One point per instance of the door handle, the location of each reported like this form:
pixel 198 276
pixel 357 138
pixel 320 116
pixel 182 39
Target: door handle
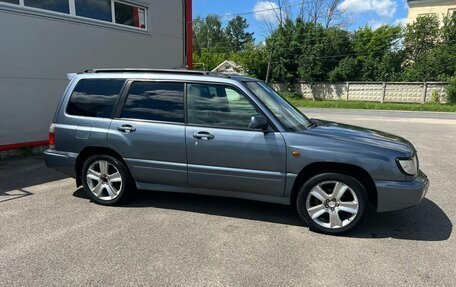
pixel 126 129
pixel 203 136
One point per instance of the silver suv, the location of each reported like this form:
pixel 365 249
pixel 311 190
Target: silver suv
pixel 233 136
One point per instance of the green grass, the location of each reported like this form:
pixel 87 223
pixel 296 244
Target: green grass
pixel 432 107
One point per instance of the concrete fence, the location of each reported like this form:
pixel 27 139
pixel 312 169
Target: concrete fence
pixel 397 92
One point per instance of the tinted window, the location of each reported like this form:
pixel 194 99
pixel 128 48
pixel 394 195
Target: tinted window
pixel 220 106
pixel 130 15
pixel 155 101
pixel 10 1
pixel 95 9
pixel 53 5
pixel 94 98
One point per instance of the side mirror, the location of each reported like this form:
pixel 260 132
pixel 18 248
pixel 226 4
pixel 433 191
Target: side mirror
pixel 258 122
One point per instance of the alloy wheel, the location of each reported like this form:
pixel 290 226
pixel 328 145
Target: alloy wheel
pixel 104 180
pixel 332 204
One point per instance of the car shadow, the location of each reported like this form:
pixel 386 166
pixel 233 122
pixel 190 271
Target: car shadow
pixel 425 222
pixel 211 205
pixel 17 174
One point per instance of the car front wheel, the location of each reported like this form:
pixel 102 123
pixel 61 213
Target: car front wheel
pixel 332 203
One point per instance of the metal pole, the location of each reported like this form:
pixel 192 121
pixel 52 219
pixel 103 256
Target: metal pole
pixel 268 71
pixel 424 93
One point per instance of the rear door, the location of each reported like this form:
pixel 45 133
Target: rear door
pixel 148 130
pixel 223 152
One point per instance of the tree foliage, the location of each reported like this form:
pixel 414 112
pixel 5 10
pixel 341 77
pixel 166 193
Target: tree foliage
pixel 237 35
pixel 314 51
pixel 430 49
pixel 209 34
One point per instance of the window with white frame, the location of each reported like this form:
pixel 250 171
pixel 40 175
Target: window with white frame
pixel 116 12
pixel 130 15
pixel 10 1
pixel 94 9
pixel 426 14
pixel 62 6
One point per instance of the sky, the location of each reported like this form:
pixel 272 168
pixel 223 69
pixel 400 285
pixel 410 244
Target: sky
pixel 373 13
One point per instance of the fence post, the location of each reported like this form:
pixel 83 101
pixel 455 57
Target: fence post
pixel 423 100
pixel 383 92
pixel 348 89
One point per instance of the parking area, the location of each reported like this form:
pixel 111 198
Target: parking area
pixel 52 235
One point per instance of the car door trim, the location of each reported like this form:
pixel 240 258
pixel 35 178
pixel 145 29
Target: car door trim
pixel 207 169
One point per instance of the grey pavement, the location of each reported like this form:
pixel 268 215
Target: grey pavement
pixel 52 235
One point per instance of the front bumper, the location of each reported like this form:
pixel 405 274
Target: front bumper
pixel 63 162
pixel 395 195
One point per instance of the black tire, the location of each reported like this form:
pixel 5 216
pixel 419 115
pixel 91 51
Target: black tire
pixel 125 189
pixel 325 180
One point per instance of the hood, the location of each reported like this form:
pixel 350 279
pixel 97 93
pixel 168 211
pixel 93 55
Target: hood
pixel 361 135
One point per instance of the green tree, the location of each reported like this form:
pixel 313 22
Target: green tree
pixel 307 51
pixel 207 60
pixel 254 60
pixel 421 36
pixel 208 34
pixel 448 31
pixel 285 48
pixel 348 69
pixel 430 49
pixel 236 34
pixel 375 50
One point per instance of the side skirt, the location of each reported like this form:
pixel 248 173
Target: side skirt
pixel 212 192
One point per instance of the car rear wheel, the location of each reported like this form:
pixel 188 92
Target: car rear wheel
pixel 106 179
pixel 332 203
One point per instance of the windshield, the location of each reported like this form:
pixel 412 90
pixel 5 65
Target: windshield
pixel 287 114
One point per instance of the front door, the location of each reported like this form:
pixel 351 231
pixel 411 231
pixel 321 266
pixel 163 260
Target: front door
pixel 223 153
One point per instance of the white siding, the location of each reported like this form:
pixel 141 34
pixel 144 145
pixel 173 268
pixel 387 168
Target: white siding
pixel 37 49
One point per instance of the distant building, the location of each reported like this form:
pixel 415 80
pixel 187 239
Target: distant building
pixel 229 67
pixel 441 8
pixel 42 41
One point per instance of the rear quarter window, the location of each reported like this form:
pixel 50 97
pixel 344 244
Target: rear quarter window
pixel 94 97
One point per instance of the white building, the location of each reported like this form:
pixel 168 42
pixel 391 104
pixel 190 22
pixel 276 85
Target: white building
pixel 229 67
pixel 439 8
pixel 42 41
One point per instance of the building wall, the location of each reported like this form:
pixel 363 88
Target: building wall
pixel 38 48
pixel 424 7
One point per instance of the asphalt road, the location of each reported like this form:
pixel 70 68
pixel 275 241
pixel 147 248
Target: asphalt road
pixel 52 235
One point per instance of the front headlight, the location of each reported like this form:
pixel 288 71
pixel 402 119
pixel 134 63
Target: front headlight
pixel 409 166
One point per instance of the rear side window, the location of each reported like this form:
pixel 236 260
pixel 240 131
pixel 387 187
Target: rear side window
pixel 94 97
pixel 155 101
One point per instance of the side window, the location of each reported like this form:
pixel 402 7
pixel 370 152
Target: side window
pixel 95 9
pixel 219 106
pixel 61 6
pixel 11 1
pixel 155 101
pixel 130 15
pixel 94 97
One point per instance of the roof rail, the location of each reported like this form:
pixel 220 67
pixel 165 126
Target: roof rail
pixel 160 71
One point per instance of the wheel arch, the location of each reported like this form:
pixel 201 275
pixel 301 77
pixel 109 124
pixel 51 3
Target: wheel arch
pixel 90 151
pixel 348 169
